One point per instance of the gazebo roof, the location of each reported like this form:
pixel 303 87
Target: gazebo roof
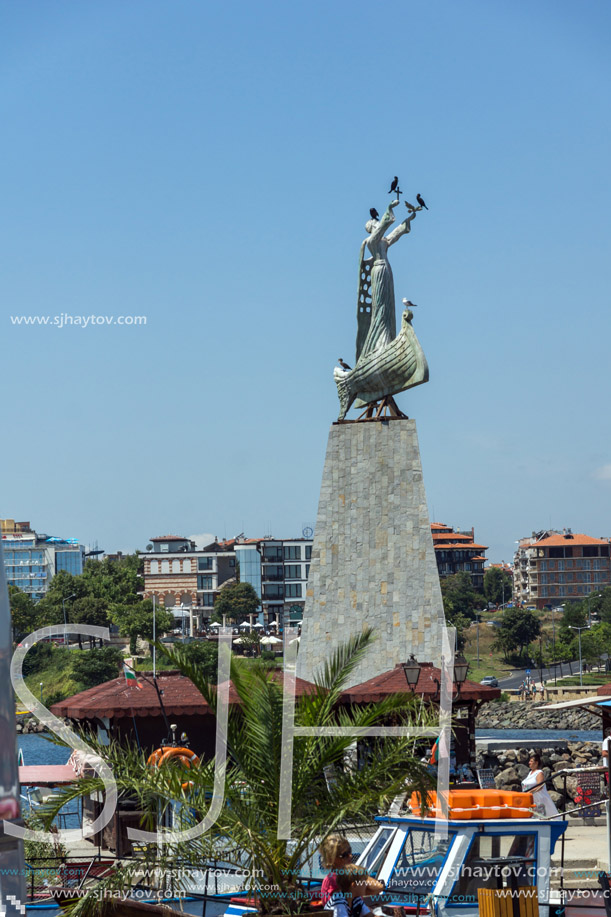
pixel 121 698
pixel 393 682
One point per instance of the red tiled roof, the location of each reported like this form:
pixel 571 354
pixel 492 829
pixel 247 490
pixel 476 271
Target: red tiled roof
pixel 393 682
pixel 439 525
pixel 454 535
pixel 478 558
pixel 461 544
pixel 554 541
pixel 121 698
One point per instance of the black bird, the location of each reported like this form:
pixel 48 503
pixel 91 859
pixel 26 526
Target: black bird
pixel 420 200
pixel 342 364
pixel 394 186
pixel 374 213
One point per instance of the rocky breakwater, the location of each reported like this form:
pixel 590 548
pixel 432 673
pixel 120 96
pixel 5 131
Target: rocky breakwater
pixel 28 725
pixel 510 766
pixel 528 715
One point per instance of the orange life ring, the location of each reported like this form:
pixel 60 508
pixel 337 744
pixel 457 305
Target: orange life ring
pixel 166 753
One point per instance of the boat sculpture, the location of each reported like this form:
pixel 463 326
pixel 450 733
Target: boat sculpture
pixel 386 362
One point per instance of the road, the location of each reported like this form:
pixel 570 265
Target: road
pixel 516 678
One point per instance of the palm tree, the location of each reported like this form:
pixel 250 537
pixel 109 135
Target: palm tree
pixel 247 827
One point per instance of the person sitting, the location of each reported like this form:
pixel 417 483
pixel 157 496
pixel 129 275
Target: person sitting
pixel 336 855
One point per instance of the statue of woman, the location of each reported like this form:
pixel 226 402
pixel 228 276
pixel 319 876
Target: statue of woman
pixel 381 327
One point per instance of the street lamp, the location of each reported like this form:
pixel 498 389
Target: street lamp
pixel 579 629
pixel 411 670
pixel 41 683
pixel 68 597
pixel 597 596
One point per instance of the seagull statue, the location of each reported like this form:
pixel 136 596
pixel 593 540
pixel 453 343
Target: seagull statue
pixel 343 365
pixel 410 207
pixel 409 304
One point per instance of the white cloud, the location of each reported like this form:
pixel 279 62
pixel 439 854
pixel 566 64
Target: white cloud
pixel 603 473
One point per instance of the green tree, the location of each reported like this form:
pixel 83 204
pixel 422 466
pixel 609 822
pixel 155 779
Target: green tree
pixel 498 585
pixel 459 596
pixel 574 615
pixel 518 629
pixel 136 621
pixel 23 612
pixel 202 654
pixel 248 821
pixel 96 666
pixel 236 601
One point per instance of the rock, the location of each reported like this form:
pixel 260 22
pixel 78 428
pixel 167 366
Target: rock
pixel 523 771
pixel 507 777
pixel 19 727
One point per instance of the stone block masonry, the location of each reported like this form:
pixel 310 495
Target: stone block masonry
pixel 373 561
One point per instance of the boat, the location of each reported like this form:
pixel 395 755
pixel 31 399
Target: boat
pixel 399 365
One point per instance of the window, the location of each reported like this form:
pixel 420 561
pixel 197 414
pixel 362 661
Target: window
pixel 186 566
pixel 273 591
pixel 292 590
pixel 208 600
pixel 308 548
pixel 590 550
pixel 478 873
pixel 176 566
pixel 307 571
pixel 292 571
pixel 186 599
pixel 273 573
pixel 205 582
pixel 165 566
pixel 419 863
pixel 154 567
pixel 164 548
pixel 292 552
pixel 205 563
pixel 272 553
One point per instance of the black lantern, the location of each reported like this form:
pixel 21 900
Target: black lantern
pixel 460 669
pixel 411 670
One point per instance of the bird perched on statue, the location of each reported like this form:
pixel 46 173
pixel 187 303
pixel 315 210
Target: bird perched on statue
pixel 409 304
pixel 394 186
pixel 374 213
pixel 410 207
pixel 420 200
pixel 342 364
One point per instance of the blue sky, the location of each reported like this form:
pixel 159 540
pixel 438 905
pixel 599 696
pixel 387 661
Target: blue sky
pixel 211 166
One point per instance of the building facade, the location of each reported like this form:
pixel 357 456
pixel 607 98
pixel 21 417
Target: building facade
pixel 32 559
pixel 557 567
pixel 178 575
pixel 457 552
pixel 278 570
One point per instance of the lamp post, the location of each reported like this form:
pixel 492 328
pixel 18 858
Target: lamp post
pixel 68 597
pixel 477 626
pixel 41 683
pixel 579 630
pixel 597 596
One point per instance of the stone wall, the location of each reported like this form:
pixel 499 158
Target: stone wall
pixel 526 715
pixel 373 562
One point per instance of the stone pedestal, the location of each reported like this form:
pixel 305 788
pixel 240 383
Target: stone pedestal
pixel 373 561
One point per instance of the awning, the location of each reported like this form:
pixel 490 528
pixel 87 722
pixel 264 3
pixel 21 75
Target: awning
pixel 46 774
pixel 594 700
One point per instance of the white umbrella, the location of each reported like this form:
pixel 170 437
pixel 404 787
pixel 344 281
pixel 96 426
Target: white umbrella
pixel 238 640
pixel 273 624
pixel 216 624
pixel 244 624
pixel 271 641
pixel 258 625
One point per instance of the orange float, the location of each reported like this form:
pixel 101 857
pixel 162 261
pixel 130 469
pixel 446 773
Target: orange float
pixel 476 804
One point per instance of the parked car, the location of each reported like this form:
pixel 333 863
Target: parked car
pixel 491 681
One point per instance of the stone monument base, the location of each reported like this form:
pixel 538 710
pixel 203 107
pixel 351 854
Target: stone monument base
pixel 373 562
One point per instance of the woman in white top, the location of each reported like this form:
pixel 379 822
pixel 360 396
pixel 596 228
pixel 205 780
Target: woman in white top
pixel 535 783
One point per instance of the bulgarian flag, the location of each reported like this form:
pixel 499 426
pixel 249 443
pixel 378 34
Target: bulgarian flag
pixel 130 675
